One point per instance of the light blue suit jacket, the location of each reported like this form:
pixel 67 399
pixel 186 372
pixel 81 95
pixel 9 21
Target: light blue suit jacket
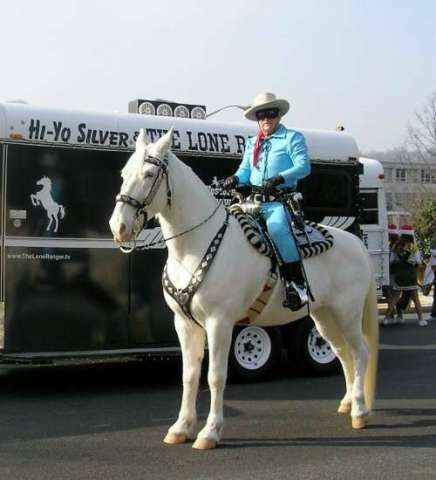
pixel 287 156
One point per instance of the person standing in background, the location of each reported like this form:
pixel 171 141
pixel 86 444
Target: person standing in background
pixel 403 261
pixel 406 295
pixel 393 237
pixel 432 269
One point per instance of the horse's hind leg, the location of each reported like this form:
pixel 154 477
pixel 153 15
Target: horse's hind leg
pixel 329 330
pixel 359 350
pixel 219 336
pixel 350 324
pixel 192 339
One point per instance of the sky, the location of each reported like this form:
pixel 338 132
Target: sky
pixel 365 64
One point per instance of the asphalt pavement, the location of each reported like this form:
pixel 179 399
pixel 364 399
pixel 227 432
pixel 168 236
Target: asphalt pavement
pixel 108 421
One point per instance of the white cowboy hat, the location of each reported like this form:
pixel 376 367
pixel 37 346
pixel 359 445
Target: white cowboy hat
pixel 266 100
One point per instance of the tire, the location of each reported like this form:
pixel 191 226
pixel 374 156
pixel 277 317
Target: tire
pixel 309 352
pixel 255 353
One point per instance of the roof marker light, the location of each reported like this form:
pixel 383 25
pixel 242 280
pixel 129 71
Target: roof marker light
pixel 16 136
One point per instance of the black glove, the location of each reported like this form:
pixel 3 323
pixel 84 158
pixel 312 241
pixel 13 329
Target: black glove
pixel 272 182
pixel 231 181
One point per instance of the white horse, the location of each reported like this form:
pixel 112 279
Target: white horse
pixel 341 280
pixel 43 197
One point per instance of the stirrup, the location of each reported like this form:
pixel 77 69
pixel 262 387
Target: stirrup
pixel 296 296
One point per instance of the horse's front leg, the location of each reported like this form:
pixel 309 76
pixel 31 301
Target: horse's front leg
pixel 192 339
pixel 56 223
pixel 34 200
pixel 219 337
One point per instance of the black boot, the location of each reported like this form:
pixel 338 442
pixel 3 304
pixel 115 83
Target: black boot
pixel 295 288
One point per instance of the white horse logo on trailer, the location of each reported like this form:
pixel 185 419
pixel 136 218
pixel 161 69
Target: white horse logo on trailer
pixel 43 197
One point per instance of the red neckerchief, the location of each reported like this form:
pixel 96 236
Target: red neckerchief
pixel 257 146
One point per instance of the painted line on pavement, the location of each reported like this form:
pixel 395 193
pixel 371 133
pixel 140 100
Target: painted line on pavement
pixel 406 347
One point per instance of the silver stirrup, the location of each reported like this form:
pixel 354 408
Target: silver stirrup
pixel 301 292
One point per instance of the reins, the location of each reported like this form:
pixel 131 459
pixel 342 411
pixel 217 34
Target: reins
pixel 177 235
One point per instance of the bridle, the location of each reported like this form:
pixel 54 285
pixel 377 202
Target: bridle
pixel 141 207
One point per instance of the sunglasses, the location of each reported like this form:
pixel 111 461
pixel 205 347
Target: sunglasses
pixel 269 113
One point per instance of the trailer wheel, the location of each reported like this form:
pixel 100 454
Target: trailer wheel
pixel 309 352
pixel 254 353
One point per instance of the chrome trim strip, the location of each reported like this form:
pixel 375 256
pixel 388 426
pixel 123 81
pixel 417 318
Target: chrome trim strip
pixel 59 242
pixel 3 222
pixel 90 353
pixel 2 325
pixel 146 237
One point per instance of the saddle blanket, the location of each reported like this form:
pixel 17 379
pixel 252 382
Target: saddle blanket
pixel 309 236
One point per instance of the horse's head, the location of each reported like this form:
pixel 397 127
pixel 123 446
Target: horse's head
pixel 44 181
pixel 145 189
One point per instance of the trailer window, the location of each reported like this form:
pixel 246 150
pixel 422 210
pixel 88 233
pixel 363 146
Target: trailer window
pixel 79 193
pixel 329 192
pixel 369 207
pixel 211 168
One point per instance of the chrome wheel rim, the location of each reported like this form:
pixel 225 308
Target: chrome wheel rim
pixel 319 349
pixel 252 348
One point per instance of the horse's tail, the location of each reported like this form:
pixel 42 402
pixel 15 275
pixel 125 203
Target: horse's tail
pixel 370 330
pixel 62 211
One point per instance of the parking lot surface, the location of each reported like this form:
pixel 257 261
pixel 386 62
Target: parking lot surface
pixel 108 422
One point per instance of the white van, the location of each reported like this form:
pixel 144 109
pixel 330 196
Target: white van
pixel 66 290
pixel 374 221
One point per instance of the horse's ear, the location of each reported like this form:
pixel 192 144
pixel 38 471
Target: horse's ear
pixel 161 147
pixel 141 140
pixel 167 140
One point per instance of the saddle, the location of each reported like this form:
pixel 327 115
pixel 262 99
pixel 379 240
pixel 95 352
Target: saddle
pixel 311 239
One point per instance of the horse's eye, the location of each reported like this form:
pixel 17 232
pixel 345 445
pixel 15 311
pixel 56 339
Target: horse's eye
pixel 148 174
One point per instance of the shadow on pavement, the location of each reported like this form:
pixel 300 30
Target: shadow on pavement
pixel 417 441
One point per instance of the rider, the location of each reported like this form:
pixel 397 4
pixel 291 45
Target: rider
pixel 276 157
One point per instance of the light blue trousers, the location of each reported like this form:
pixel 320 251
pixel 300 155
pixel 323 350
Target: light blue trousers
pixel 279 230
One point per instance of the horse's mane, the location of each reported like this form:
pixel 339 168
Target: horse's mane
pixel 188 172
pixel 132 165
pixel 45 180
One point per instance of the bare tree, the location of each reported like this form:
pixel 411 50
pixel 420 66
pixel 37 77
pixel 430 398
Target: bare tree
pixel 422 133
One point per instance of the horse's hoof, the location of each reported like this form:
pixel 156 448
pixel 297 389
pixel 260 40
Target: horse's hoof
pixel 344 408
pixel 360 421
pixel 204 444
pixel 175 438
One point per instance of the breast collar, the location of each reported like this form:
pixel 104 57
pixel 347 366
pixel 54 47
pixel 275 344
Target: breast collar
pixel 183 296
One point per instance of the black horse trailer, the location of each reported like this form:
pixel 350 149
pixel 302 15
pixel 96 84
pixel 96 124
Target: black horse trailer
pixel 68 293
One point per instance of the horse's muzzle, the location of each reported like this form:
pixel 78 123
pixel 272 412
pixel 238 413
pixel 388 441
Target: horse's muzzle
pixel 122 234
